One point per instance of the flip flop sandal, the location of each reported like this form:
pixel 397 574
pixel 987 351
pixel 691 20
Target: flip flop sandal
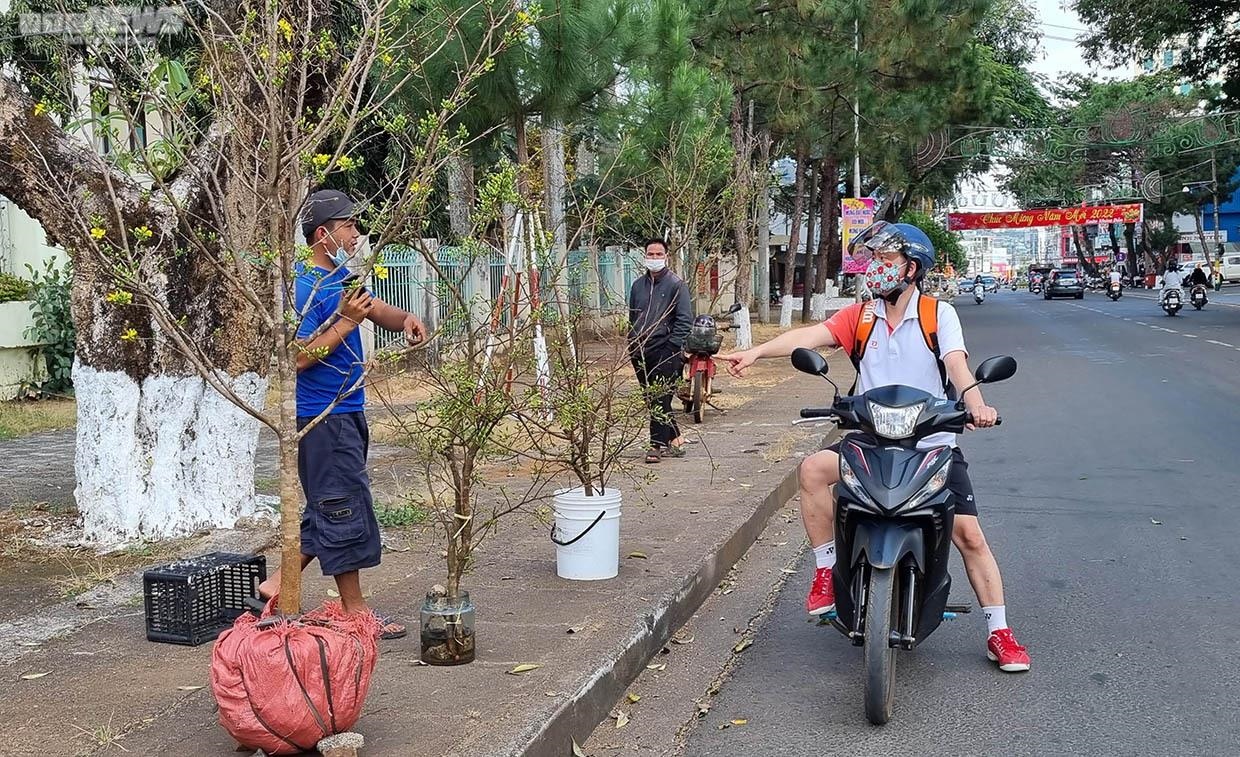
pixel 392 630
pixel 653 456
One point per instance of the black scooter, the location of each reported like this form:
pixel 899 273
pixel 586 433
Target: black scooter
pixel 1197 296
pixel 893 519
pixel 1115 291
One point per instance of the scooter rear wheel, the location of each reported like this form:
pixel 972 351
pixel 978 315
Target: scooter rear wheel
pixel 880 656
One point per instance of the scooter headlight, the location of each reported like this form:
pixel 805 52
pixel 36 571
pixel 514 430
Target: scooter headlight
pixel 849 477
pixel 895 422
pixel 932 487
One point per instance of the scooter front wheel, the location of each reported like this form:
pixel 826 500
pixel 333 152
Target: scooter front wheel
pixel 880 656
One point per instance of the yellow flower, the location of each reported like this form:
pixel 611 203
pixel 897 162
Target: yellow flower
pixel 143 233
pixel 322 159
pixel 40 108
pixel 380 271
pixel 387 59
pixel 523 18
pixel 347 164
pixel 97 233
pixel 120 297
pixel 129 335
pixel 286 29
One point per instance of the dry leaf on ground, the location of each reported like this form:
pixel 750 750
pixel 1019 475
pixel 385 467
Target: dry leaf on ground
pixel 524 668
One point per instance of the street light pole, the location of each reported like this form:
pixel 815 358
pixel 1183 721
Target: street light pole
pixel 857 133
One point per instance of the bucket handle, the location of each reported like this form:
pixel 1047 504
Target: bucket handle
pixel 578 536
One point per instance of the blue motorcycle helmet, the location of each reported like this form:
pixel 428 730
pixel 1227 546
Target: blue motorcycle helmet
pixel 905 238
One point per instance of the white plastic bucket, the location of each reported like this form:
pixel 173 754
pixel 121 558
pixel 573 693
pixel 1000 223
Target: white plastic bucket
pixel 586 534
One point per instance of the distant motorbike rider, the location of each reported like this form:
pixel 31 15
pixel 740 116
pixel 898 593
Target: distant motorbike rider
pixel 1198 276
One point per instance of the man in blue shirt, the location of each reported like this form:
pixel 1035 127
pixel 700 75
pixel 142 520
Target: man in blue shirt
pixel 339 525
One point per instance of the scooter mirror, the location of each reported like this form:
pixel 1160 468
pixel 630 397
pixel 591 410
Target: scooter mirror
pixel 736 308
pixel 994 369
pixel 808 361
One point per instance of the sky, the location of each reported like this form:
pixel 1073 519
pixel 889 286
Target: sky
pixel 1059 53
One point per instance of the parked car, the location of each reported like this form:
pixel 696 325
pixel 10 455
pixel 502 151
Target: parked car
pixel 1064 283
pixel 990 282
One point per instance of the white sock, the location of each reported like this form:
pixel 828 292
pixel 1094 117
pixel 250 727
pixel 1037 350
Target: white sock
pixel 825 555
pixel 996 618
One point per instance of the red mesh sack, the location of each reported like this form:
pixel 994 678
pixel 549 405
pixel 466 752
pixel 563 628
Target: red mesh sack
pixel 284 684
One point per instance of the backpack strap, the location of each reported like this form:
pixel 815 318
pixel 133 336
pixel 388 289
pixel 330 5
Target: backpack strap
pixel 865 327
pixel 928 319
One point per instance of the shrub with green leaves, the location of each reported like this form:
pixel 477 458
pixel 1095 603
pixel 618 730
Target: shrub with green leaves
pixel 53 325
pixel 13 288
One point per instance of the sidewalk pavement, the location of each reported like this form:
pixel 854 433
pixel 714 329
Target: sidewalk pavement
pixel 107 690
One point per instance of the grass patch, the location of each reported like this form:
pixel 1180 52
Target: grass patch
pixel 22 417
pixel 264 485
pixel 400 516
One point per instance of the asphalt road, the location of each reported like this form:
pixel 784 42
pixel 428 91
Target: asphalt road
pixel 1118 417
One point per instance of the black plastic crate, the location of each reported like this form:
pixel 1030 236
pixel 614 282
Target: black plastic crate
pixel 191 601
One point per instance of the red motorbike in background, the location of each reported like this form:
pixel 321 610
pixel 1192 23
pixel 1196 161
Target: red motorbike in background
pixel 703 343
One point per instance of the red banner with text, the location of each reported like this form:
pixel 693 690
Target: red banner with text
pixel 1028 219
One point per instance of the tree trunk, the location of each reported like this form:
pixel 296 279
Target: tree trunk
pixel 1201 234
pixel 460 170
pixel 556 180
pixel 830 224
pixel 794 228
pixel 742 181
pixel 823 264
pixel 764 227
pixel 523 155
pixel 1130 262
pixel 807 284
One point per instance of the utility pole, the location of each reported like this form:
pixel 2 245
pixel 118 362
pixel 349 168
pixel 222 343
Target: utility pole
pixel 1218 243
pixel 857 283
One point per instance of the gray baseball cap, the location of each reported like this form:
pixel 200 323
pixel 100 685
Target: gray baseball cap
pixel 327 205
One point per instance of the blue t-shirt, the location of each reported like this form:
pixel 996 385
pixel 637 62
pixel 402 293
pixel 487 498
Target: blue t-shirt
pixel 318 299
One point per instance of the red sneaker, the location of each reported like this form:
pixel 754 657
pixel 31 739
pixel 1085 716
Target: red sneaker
pixel 1002 648
pixel 821 597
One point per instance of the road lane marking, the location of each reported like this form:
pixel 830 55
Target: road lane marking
pixel 1191 336
pixel 1221 344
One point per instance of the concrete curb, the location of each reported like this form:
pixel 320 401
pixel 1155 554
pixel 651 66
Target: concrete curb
pixel 589 705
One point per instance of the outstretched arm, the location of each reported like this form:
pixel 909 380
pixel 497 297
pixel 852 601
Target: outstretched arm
pixel 812 337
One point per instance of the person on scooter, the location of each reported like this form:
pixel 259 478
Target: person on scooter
pixel 1172 279
pixel 898 354
pixel 1198 276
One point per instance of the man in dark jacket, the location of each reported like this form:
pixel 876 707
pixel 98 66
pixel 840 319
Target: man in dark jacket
pixel 660 315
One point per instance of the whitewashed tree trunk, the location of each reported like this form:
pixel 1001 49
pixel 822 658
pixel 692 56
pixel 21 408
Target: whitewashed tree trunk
pixel 555 175
pixel 744 331
pixel 818 307
pixel 163 458
pixel 786 306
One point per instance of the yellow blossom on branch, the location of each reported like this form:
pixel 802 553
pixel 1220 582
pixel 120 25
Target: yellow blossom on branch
pixel 120 297
pixel 97 233
pixel 143 233
pixel 129 335
pixel 40 108
pixel 380 271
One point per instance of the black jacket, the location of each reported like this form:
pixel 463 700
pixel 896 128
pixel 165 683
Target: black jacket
pixel 660 313
pixel 1198 276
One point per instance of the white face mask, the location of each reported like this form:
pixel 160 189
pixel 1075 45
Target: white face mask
pixel 654 265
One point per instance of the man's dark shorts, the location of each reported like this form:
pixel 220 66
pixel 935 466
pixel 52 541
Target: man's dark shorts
pixel 958 480
pixel 339 526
